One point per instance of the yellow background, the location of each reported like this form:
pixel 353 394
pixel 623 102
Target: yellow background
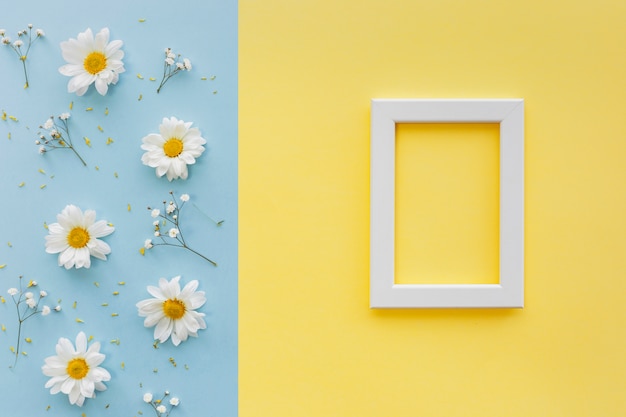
pixel 309 344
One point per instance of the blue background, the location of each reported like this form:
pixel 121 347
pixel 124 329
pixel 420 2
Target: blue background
pixel 205 32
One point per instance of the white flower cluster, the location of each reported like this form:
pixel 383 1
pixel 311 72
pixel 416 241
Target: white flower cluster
pixel 173 64
pixel 27 305
pixel 157 404
pixel 57 136
pixel 169 219
pixel 21 47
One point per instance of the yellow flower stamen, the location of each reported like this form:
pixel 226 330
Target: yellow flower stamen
pixel 95 62
pixel 174 308
pixel 78 237
pixel 77 368
pixel 173 147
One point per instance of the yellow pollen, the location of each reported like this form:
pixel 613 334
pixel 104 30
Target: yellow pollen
pixel 174 308
pixel 95 62
pixel 77 368
pixel 78 237
pixel 173 147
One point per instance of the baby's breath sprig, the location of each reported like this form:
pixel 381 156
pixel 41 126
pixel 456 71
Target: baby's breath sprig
pixel 26 305
pixel 170 217
pixel 158 405
pixel 21 46
pixel 172 65
pixel 58 136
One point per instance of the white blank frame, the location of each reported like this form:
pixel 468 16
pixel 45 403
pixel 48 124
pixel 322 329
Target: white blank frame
pixel 384 292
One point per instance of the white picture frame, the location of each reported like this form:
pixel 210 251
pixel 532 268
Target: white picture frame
pixel 385 114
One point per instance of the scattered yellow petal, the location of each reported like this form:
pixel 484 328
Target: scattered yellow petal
pixel 212 77
pixel 109 141
pixel 21 184
pixel 83 415
pixel 116 341
pixel 186 367
pixel 100 128
pixel 123 366
pixel 41 171
pixel 114 314
pixel 140 76
pixel 28 340
pixel 142 20
pixel 203 78
pixel 87 141
pixel 48 408
pixel 45 225
pixel 12 349
pixel 128 207
pixel 9 135
pixel 155 370
pixel 89 109
pixel 4 115
pixel 97 168
pixel 74 305
pixel 90 338
pixel 121 283
pixel 31 283
pixel 104 304
pixel 215 92
pixel 142 251
pixel 140 97
pixel 96 283
pixel 13 118
pixel 115 174
pixel 116 293
pixel 2 300
pixel 106 111
pixel 110 224
pixel 2 267
pixel 9 244
pixel 4 329
pixel 42 186
pixel 71 105
pixel 152 79
pixel 24 353
pixel 155 344
pixel 79 320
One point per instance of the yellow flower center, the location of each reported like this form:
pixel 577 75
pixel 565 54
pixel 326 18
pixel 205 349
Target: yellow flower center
pixel 174 308
pixel 173 147
pixel 77 368
pixel 95 62
pixel 78 237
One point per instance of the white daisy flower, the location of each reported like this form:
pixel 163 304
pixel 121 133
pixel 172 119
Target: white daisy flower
pixel 40 32
pixel 57 308
pixel 49 124
pixel 174 401
pixel 30 302
pixel 45 311
pixel 187 64
pixel 172 310
pixel 12 291
pixel 92 60
pixel 148 244
pixel 171 208
pixel 170 151
pixel 75 237
pixel 173 232
pixel 75 372
pixel 184 197
pixel 147 397
pixel 155 213
pixel 64 116
pixel 161 409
